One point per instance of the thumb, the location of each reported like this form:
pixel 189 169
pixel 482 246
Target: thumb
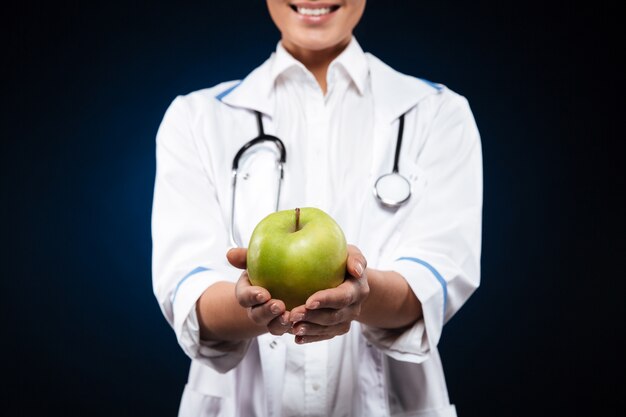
pixel 356 262
pixel 237 257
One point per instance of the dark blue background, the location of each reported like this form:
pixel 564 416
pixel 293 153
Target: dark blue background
pixel 85 88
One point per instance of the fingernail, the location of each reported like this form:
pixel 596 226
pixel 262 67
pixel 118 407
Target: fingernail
pixel 297 317
pixel 260 297
pixel 314 305
pixel 359 268
pixel 275 309
pixel 284 320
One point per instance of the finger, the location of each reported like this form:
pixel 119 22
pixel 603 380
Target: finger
pixel 237 257
pixel 356 263
pixel 249 295
pixel 311 329
pixel 264 313
pixel 343 295
pixel 280 325
pixel 297 314
pixel 330 316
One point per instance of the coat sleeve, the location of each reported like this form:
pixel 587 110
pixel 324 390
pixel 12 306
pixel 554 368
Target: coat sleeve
pixel 189 237
pixel 437 250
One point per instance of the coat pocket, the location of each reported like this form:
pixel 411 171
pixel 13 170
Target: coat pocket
pixel 257 190
pixel 384 222
pixel 198 404
pixel 418 179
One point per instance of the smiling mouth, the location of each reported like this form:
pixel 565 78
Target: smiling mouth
pixel 313 11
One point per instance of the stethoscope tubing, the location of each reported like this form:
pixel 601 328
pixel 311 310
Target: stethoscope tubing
pixel 396 157
pixel 398 181
pixel 263 137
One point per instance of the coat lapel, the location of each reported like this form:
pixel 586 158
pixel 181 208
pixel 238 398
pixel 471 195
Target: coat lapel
pixel 396 93
pixel 254 92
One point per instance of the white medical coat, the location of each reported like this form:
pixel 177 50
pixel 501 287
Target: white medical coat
pixel 433 241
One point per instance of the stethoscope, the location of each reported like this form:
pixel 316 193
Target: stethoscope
pixel 282 157
pixel 392 190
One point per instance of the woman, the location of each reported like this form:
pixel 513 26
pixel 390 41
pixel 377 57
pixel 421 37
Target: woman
pixel 369 346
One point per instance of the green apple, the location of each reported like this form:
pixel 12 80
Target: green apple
pixel 295 253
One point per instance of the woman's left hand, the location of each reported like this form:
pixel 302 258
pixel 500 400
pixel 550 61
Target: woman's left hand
pixel 329 313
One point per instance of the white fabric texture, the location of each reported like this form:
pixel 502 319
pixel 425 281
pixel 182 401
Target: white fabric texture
pixel 337 145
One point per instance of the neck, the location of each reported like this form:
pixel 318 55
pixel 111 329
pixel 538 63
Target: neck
pixel 316 61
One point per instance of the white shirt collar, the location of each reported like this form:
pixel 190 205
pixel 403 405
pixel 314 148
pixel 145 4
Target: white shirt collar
pixel 351 59
pixel 394 93
pixel 354 62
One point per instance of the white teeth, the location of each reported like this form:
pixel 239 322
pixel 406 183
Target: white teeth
pixel 314 12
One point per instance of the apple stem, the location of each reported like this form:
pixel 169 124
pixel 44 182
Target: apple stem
pixel 297 219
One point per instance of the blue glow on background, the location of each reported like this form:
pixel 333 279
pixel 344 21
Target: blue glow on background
pixel 87 89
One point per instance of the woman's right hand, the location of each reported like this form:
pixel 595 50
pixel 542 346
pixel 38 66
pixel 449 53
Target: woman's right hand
pixel 262 309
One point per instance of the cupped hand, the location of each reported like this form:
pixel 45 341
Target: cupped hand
pixel 329 313
pixel 262 309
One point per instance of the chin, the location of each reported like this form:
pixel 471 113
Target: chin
pixel 315 42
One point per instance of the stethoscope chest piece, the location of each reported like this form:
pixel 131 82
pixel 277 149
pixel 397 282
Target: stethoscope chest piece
pixel 392 190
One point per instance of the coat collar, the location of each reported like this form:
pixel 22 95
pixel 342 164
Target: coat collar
pixel 394 93
pixel 253 92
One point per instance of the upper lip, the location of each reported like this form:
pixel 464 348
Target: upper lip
pixel 313 5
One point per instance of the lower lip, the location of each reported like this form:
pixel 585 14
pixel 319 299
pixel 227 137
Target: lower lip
pixel 315 20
